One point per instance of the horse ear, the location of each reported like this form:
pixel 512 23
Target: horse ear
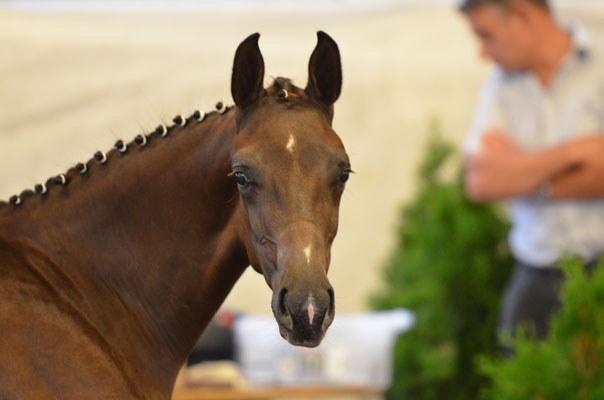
pixel 325 70
pixel 247 82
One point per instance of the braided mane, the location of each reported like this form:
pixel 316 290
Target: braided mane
pixel 120 149
pixel 281 87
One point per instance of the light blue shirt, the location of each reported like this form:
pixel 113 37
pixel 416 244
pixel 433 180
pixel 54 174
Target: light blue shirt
pixel 537 118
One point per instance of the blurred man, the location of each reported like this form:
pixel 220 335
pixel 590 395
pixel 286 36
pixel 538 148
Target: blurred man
pixel 537 140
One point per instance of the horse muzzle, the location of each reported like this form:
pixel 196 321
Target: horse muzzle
pixel 303 316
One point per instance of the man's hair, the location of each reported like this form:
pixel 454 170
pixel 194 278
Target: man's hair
pixel 468 5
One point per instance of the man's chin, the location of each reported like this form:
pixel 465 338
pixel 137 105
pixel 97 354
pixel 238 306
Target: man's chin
pixel 511 68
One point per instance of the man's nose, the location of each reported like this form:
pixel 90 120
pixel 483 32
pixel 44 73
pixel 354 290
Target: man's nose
pixel 485 52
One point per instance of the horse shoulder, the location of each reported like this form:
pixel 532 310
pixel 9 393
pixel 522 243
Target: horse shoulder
pixel 37 341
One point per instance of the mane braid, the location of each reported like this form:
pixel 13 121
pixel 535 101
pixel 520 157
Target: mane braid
pixel 285 91
pixel 120 147
pixel 281 83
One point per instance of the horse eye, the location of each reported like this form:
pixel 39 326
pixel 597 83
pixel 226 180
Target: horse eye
pixel 241 179
pixel 344 177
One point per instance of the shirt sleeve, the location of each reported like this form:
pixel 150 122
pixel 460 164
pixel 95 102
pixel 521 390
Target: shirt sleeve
pixel 488 114
pixel 600 49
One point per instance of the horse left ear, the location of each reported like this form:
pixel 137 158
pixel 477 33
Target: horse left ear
pixel 247 81
pixel 325 71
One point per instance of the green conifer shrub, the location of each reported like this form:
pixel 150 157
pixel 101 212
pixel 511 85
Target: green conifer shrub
pixel 569 364
pixel 449 266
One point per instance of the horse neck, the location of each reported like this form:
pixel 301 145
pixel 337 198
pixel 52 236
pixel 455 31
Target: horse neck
pixel 146 243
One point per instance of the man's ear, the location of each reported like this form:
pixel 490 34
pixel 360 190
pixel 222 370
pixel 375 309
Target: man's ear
pixel 325 71
pixel 247 81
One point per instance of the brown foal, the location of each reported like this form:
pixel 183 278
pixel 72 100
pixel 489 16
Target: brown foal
pixel 110 272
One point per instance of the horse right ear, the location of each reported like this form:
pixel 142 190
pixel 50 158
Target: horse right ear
pixel 325 71
pixel 247 82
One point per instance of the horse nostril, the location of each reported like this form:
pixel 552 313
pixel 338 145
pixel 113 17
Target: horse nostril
pixel 282 302
pixel 330 312
pixel 281 311
pixel 332 305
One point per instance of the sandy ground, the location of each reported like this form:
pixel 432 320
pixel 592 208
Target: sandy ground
pixel 71 83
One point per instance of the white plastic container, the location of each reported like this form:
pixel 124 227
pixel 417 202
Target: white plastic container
pixel 357 350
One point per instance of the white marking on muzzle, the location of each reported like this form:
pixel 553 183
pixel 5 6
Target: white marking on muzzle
pixel 311 312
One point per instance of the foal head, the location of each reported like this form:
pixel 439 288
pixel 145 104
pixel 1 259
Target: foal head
pixel 290 168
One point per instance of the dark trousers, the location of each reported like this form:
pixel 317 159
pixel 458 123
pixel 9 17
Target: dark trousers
pixel 530 298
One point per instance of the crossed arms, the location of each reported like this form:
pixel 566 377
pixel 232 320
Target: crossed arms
pixel 500 169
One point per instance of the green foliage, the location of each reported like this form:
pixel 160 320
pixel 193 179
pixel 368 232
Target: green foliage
pixel 569 364
pixel 449 266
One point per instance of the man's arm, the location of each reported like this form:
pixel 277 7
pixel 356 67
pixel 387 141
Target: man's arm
pixel 584 182
pixel 501 170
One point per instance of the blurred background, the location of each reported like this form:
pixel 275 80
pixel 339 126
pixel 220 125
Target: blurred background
pixel 77 75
